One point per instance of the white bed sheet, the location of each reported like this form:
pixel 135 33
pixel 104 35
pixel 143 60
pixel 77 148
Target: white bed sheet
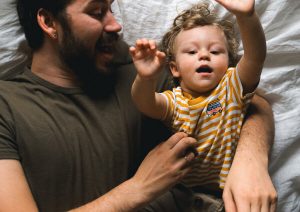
pixel 14 51
pixel 280 81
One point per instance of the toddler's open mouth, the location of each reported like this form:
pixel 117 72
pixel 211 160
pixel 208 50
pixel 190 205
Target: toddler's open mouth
pixel 204 69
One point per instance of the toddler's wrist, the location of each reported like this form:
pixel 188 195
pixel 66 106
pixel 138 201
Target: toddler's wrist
pixel 143 78
pixel 246 15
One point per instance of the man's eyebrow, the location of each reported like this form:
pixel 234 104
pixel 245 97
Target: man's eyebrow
pixel 90 3
pixel 93 2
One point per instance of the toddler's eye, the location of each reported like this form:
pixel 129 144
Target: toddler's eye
pixel 215 52
pixel 192 52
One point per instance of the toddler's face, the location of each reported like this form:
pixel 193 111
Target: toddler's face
pixel 201 59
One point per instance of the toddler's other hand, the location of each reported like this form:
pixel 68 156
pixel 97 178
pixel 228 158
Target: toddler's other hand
pixel 147 58
pixel 238 7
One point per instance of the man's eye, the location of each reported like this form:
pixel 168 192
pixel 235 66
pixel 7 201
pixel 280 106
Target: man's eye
pixel 98 14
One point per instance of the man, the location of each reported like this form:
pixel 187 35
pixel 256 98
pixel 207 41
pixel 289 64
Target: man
pixel 69 132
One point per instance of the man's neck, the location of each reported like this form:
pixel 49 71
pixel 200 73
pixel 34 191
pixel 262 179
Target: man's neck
pixel 47 66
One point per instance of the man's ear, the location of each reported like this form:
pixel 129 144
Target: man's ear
pixel 47 23
pixel 174 69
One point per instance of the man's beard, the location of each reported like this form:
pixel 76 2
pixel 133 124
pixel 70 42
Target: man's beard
pixel 81 60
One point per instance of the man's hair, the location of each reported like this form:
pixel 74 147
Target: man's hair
pixel 200 15
pixel 27 12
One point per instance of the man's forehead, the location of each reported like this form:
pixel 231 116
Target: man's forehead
pixel 96 1
pixel 87 3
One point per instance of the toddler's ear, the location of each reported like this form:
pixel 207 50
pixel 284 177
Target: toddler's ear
pixel 174 69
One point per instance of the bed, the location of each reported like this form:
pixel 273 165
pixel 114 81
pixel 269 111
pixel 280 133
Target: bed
pixel 280 83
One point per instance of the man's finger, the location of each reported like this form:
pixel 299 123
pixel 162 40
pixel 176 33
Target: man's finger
pixel 242 205
pixel 188 160
pixel 265 206
pixel 229 202
pixel 174 139
pixel 258 207
pixel 190 157
pixel 273 206
pixel 185 146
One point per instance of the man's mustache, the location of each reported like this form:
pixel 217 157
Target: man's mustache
pixel 108 39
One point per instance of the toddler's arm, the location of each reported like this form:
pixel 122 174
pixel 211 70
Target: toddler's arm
pixel 149 62
pixel 253 38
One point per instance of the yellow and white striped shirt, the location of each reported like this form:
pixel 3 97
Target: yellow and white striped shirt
pixel 215 121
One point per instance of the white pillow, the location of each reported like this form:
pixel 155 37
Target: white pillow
pixel 150 19
pixel 13 47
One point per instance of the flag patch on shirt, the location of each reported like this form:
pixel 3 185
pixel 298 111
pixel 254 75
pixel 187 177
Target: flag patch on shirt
pixel 214 107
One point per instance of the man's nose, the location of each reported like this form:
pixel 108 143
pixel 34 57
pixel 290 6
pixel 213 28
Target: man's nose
pixel 110 23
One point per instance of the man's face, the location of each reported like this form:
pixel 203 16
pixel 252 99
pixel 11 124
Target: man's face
pixel 89 37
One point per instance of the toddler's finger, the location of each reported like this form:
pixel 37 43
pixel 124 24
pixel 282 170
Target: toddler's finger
pixel 152 44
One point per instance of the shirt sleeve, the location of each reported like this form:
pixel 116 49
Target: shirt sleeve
pixel 236 87
pixel 169 96
pixel 8 146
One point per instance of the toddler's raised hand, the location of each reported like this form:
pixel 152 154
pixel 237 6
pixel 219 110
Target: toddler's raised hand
pixel 147 59
pixel 238 7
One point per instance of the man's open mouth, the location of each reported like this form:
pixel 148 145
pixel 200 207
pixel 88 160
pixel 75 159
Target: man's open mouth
pixel 204 69
pixel 105 48
pixel 107 42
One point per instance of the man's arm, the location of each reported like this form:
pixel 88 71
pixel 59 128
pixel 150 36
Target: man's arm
pixel 15 194
pixel 248 186
pixel 162 168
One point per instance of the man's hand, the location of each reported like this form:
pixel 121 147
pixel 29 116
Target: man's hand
pixel 162 168
pixel 147 59
pixel 165 165
pixel 248 186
